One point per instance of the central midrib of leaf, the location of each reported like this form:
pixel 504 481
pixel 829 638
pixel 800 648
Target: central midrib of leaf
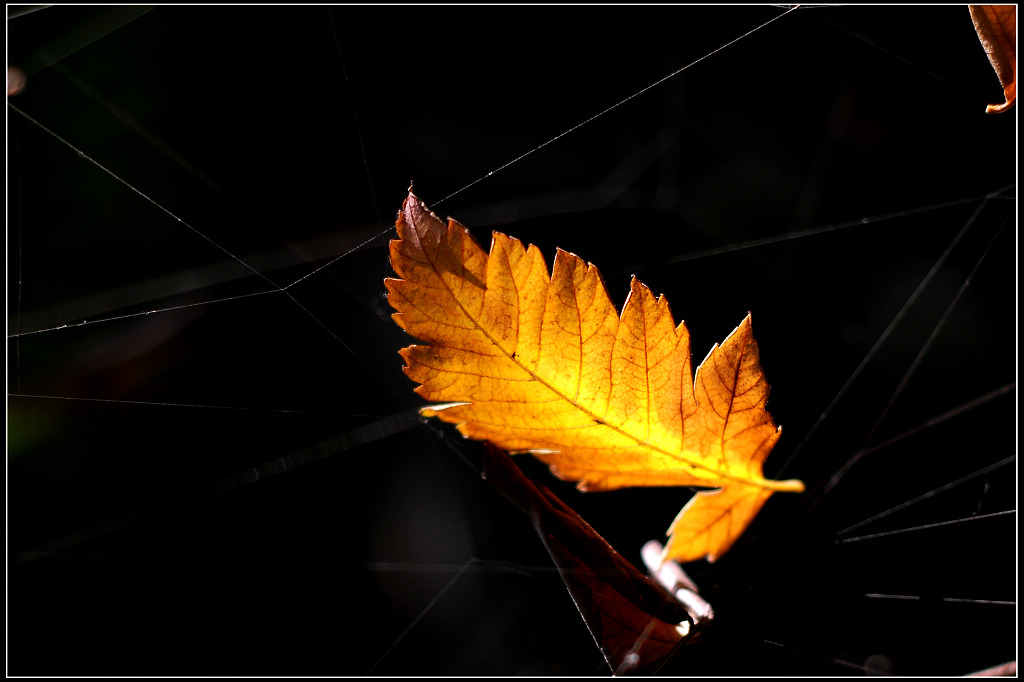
pixel 642 442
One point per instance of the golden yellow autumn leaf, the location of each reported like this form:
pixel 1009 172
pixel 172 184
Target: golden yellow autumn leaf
pixel 543 364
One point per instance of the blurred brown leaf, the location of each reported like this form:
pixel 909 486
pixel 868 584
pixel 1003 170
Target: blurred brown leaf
pixel 635 622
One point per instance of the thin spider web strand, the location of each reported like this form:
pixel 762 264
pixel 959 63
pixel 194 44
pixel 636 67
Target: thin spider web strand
pixel 86 157
pixel 927 526
pixel 339 257
pixel 860 454
pixel 614 106
pixel 85 323
pixel 904 60
pixel 916 597
pixel 362 151
pixel 922 285
pixel 129 122
pixel 355 117
pixel 991 395
pixel 153 403
pixel 164 404
pixel 999 602
pixel 276 290
pixel 142 194
pixel 818 493
pixel 809 232
pixel 18 220
pixel 930 493
pixel 338 339
pixel 932 336
pixel 421 614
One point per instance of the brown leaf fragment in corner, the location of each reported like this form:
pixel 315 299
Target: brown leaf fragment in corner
pixel 997 30
pixel 542 364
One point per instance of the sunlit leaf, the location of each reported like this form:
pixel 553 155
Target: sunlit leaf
pixel 543 364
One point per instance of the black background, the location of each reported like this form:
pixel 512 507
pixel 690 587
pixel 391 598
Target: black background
pixel 242 485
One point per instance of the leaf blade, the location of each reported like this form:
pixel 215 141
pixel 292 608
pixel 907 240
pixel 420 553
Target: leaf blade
pixel 544 365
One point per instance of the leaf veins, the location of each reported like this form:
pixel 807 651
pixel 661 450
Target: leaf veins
pixel 543 364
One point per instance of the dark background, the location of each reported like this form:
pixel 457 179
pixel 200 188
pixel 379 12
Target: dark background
pixel 239 483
